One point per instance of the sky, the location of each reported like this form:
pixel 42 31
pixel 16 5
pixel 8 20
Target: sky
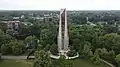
pixel 58 4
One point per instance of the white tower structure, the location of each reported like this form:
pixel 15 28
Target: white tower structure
pixel 63 38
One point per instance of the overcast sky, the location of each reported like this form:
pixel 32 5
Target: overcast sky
pixel 57 4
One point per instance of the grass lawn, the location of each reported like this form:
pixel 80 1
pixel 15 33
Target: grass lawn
pixel 25 63
pixel 80 63
pixel 86 63
pixel 15 63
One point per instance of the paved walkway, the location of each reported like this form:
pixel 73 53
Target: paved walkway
pixel 16 57
pixel 107 63
pixel 57 57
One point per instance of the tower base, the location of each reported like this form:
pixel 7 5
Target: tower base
pixel 63 52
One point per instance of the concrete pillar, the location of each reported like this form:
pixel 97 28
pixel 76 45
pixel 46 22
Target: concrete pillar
pixel 66 38
pixel 60 35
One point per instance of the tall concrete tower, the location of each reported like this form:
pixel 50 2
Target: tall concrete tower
pixel 63 38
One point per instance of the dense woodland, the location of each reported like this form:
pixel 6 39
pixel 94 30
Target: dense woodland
pixel 101 41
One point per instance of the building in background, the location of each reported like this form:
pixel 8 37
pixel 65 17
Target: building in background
pixel 12 27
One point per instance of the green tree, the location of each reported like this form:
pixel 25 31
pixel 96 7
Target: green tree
pixel 79 34
pixel 0 56
pixel 87 51
pixel 110 29
pixel 117 58
pixel 31 42
pixel 63 62
pixel 48 34
pixel 54 49
pixel 3 26
pixel 17 47
pixel 96 58
pixel 47 48
pixel 39 47
pixel 14 47
pixel 110 42
pixel 71 53
pixel 5 38
pixel 105 54
pixel 5 49
pixel 42 59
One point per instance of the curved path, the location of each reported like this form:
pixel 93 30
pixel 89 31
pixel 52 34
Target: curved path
pixel 57 57
pixel 107 63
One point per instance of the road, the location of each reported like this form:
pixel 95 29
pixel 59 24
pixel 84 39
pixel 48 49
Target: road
pixel 16 57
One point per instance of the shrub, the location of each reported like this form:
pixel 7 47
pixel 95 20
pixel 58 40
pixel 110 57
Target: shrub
pixel 5 49
pixel 71 53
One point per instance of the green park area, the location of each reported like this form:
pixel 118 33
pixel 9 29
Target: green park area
pixel 25 63
pixel 15 63
pixel 86 63
pixel 87 36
